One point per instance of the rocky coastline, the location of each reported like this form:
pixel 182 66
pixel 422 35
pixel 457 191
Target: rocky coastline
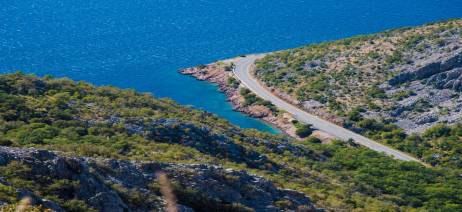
pixel 219 73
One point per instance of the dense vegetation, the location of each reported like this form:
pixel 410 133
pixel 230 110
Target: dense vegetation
pixel 440 145
pixel 302 130
pixel 76 118
pixel 252 99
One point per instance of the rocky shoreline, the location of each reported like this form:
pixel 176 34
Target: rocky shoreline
pixel 219 73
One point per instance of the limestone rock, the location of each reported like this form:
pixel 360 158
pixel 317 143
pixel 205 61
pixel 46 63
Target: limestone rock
pixel 98 178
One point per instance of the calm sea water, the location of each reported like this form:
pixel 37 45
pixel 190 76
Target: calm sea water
pixel 142 43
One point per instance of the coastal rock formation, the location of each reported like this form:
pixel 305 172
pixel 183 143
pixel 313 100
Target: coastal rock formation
pixel 116 185
pixel 219 74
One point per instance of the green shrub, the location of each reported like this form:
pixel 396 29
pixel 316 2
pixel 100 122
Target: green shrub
pixel 437 131
pixel 376 92
pixel 313 139
pixel 303 130
pixel 413 41
pixel 233 82
pixel 244 91
pixel 5 142
pixel 395 58
pixel 373 55
pixel 75 205
pixel 403 94
pixel 39 135
pixel 355 114
pixel 250 99
pixel 8 194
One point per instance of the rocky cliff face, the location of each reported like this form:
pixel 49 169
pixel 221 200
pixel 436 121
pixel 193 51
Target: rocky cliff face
pixel 435 87
pixel 447 80
pixel 114 185
pixel 443 73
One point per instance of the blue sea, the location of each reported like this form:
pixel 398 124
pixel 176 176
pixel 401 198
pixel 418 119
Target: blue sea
pixel 141 44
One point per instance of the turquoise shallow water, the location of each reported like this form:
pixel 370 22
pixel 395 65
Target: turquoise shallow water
pixel 142 43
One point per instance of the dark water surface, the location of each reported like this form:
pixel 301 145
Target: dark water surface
pixel 141 44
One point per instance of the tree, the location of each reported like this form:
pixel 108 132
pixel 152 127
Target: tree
pixel 313 139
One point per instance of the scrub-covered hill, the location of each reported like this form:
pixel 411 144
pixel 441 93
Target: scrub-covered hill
pixel 73 146
pixel 401 87
pixel 411 77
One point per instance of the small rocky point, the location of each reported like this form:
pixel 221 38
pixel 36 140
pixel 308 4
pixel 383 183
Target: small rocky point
pixel 216 73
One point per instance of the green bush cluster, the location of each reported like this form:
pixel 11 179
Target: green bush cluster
pixel 233 82
pixel 402 94
pixel 440 145
pixel 252 99
pixel 302 130
pixel 20 175
pixel 376 92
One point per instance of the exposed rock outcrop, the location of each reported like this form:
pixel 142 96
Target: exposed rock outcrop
pixel 447 80
pixel 202 138
pixel 435 96
pixel 195 184
pixel 441 66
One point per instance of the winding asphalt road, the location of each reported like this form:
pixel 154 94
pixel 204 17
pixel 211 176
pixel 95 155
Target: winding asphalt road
pixel 243 73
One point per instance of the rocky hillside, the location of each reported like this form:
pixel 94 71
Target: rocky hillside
pixel 410 77
pixel 400 87
pixel 76 147
pixel 115 185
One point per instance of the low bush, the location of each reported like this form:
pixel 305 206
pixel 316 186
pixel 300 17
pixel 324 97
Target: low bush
pixel 303 130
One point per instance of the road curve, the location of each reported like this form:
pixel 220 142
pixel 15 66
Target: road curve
pixel 243 73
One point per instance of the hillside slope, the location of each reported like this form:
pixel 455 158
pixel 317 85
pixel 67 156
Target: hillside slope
pixel 77 147
pixel 400 87
pixel 410 77
pixel 114 185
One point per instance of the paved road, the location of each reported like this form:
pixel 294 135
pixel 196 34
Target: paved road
pixel 242 72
